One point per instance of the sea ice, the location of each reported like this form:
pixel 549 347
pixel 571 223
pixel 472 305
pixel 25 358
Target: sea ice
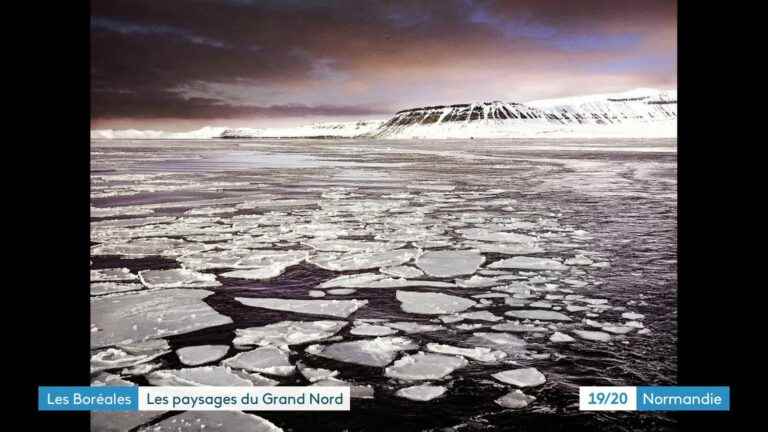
pixel 152 314
pixel 316 374
pixel 225 421
pixel 480 354
pixel 432 303
pixel 518 328
pixel 372 330
pixel 268 359
pixel 544 315
pixel 287 333
pixel 617 329
pixel 593 335
pixel 414 327
pixel 108 379
pixel 377 352
pixel 506 342
pixel 357 391
pixel 113 275
pixel 560 337
pixel 201 354
pixel 341 245
pixel 525 377
pixel 424 366
pixel 105 288
pixel 528 263
pixel 402 271
pixel 342 291
pixel 362 260
pixel 515 399
pixel 449 263
pixel 632 316
pixel 579 260
pixel 496 236
pixel 199 376
pixel 421 393
pixel 336 308
pixel 316 293
pixel 177 278
pixel 478 316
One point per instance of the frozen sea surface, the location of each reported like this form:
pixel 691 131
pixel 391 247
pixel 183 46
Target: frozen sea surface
pixel 444 264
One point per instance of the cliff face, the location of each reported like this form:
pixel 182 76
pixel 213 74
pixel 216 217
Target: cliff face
pixel 639 113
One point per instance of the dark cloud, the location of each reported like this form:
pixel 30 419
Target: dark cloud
pixel 244 59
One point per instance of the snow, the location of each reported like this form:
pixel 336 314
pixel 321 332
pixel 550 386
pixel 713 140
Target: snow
pixel 336 308
pixel 202 133
pixel 149 315
pixel 515 399
pixel 544 315
pixel 432 303
pixel 424 366
pixel 528 263
pixel 224 421
pixel 449 263
pixel 480 354
pixel 421 393
pixel 199 376
pixel 593 335
pixel 525 377
pixel 269 360
pixel 377 352
pixel 177 278
pixel 201 354
pixel 287 333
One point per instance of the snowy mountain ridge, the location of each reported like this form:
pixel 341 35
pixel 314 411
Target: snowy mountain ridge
pixel 639 113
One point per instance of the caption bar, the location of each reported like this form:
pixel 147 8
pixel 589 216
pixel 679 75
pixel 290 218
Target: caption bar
pixel 108 398
pixel 657 398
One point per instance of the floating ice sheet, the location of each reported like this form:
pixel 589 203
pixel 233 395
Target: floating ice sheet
pixel 593 335
pixel 414 327
pixel 362 260
pixel 432 303
pixel 372 330
pixel 269 360
pixel 528 263
pixel 201 354
pixel 225 421
pixel 105 288
pixel 544 315
pixel 377 280
pixel 402 271
pixel 450 263
pixel 515 399
pixel 149 315
pixel 424 366
pixel 336 308
pixel 199 376
pixel 422 393
pixel 524 377
pixel 480 354
pixel 377 352
pixel 287 333
pixel 177 278
pixel 113 275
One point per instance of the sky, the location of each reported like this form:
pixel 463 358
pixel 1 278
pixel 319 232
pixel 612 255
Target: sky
pixel 183 64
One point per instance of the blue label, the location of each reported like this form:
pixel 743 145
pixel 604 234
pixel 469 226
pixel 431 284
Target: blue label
pixel 88 398
pixel 676 398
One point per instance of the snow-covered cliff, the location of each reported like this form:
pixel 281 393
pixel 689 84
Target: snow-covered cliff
pixel 637 114
pixel 318 130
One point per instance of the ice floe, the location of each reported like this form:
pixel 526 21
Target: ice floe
pixel 113 275
pixel 449 263
pixel 480 354
pixel 414 327
pixel 152 314
pixel 105 288
pixel 506 342
pixel 402 271
pixel 199 376
pixel 515 399
pixel 515 327
pixel 528 263
pixel 424 366
pixel 632 316
pixel 592 335
pixel 177 278
pixel 336 308
pixel 229 421
pixel 201 354
pixel 421 393
pixel 558 337
pixel 287 333
pixel 544 315
pixel 377 352
pixel 362 260
pixel 315 374
pixel 524 377
pixel 341 291
pixel 429 303
pixel 268 359
pixel 357 391
pixel 372 330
